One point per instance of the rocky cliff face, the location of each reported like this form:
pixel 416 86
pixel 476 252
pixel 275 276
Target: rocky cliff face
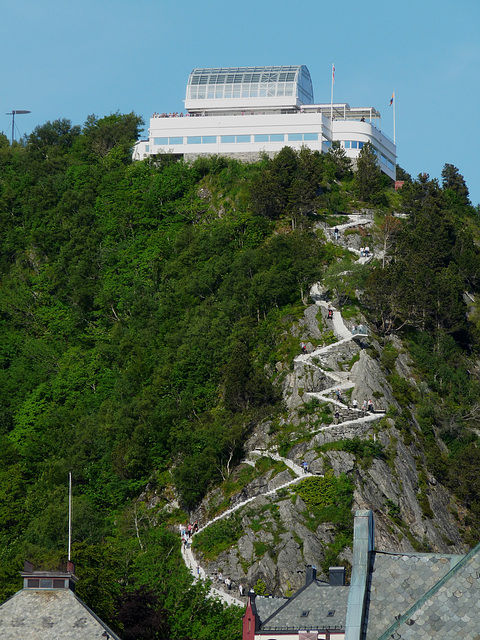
pixel 380 454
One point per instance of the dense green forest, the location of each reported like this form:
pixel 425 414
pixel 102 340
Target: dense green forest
pixel 144 306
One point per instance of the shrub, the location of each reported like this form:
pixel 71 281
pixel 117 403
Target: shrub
pixel 219 536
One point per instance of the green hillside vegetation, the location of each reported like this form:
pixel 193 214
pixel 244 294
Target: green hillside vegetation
pixel 143 309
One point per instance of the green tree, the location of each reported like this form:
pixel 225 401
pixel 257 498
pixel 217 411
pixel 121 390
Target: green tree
pixel 368 177
pixel 338 160
pixel 57 135
pixel 454 182
pixel 103 134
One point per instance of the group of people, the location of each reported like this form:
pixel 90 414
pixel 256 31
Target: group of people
pixel 175 114
pixel 228 583
pixel 366 406
pixel 186 533
pixel 364 252
pixel 359 328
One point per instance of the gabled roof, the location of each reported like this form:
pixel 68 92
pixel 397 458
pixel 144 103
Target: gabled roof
pixel 436 596
pixel 315 606
pixel 45 614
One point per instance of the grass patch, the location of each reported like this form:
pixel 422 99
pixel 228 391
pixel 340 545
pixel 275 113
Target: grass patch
pixel 363 450
pixel 218 537
pixel 328 499
pixel 261 548
pixel 264 464
pixel 236 483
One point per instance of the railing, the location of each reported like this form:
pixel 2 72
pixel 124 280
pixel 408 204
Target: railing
pixel 359 329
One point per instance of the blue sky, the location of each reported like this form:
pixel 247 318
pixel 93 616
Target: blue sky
pixel 71 59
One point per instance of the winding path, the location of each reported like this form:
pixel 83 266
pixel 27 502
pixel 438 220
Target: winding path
pixel 342 382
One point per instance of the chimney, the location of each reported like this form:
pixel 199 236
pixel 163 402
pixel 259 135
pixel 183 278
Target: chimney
pixel 337 576
pixel 70 566
pixel 310 574
pixel 27 566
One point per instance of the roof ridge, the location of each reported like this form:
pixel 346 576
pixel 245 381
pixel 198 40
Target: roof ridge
pixel 431 592
pixel 289 600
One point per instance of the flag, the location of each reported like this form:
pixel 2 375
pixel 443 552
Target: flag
pixel 392 99
pixel 333 73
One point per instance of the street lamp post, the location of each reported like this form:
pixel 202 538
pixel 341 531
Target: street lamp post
pixel 13 113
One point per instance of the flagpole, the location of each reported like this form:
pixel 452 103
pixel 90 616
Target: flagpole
pixel 331 101
pixel 69 514
pixel 394 101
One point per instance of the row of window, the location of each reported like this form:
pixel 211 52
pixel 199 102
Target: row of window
pixel 354 144
pixel 261 137
pixel 45 583
pixel 221 91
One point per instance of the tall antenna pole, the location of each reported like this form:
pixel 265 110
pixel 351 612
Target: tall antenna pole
pixel 69 514
pixel 13 112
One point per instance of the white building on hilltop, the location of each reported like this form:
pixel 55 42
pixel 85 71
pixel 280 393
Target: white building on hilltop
pixel 246 111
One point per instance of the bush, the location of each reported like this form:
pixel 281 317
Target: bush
pixel 218 536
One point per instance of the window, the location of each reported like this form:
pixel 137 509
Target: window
pixel 209 139
pixel 45 583
pixel 243 139
pixel 194 140
pixel 262 137
pixel 346 144
pixel 390 165
pixel 354 144
pixel 147 147
pixel 310 136
pixel 295 137
pixel 59 584
pixel 175 141
pixel 331 613
pixel 160 141
pixel 33 583
pixel 305 614
pixel 226 139
pixel 360 145
pixel 277 137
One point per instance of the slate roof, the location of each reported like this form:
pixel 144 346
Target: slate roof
pixel 265 607
pixel 424 595
pixel 318 599
pixel 46 614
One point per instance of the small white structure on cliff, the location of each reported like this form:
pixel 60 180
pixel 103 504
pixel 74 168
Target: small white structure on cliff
pixel 246 111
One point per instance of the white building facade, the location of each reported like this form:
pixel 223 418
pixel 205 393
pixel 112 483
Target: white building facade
pixel 247 111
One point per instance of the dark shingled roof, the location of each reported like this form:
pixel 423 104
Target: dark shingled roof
pixel 49 613
pixel 318 599
pixel 425 596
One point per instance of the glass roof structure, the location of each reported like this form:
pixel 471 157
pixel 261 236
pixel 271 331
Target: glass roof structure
pixel 251 82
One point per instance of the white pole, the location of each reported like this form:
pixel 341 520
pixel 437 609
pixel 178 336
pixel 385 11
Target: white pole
pixel 331 101
pixel 69 514
pixel 394 101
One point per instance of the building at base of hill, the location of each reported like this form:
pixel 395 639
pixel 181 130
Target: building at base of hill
pixel 245 112
pixel 399 596
pixel 48 609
